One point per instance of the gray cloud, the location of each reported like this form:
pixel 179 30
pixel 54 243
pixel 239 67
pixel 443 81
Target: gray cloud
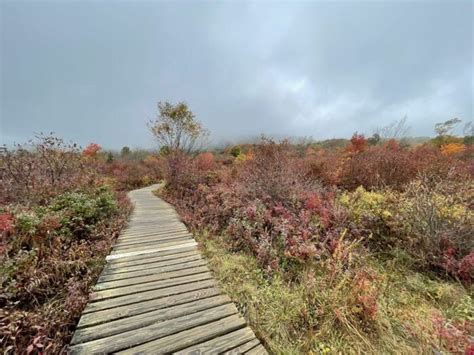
pixel 93 71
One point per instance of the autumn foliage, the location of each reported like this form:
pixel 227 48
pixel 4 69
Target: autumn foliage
pixel 331 208
pixel 58 219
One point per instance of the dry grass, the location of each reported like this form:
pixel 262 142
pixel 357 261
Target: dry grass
pixel 317 314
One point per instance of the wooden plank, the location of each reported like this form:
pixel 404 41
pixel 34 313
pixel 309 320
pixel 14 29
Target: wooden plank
pixel 258 350
pixel 149 238
pixel 142 320
pixel 189 337
pixel 220 344
pixel 128 233
pixel 117 262
pixel 156 223
pixel 243 348
pixel 150 278
pixel 147 295
pixel 108 315
pixel 152 228
pixel 155 226
pixel 153 244
pixel 154 331
pixel 113 267
pixel 160 262
pixel 148 251
pixel 150 271
pixel 148 286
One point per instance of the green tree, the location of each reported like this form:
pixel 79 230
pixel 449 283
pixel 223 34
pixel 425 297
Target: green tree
pixel 177 128
pixel 110 157
pixel 374 140
pixel 125 151
pixel 178 133
pixel 235 151
pixel 164 151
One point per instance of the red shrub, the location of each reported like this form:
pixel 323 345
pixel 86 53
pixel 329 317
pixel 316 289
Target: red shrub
pixel 41 169
pixel 358 143
pixel 129 175
pixel 205 161
pixel 465 267
pixel 325 166
pixel 91 150
pixel 379 166
pixel 6 222
pixel 269 207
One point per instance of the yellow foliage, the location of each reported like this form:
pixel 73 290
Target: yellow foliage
pixel 452 148
pixel 244 157
pixel 363 203
pixel 150 159
pixel 146 180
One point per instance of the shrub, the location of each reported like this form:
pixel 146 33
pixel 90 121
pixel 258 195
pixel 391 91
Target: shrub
pixel 452 148
pixel 39 170
pixel 235 151
pixel 129 175
pixel 79 211
pixel 432 223
pixel 335 233
pixel 58 220
pixel 51 256
pixel 358 143
pixel 205 161
pixel 379 166
pixel 91 150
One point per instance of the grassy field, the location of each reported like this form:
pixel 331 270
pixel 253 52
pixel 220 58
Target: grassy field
pixel 315 314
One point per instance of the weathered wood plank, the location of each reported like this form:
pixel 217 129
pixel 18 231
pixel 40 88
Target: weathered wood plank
pixel 148 251
pixel 141 320
pixel 154 331
pixel 220 344
pixel 148 286
pixel 145 257
pixel 147 295
pixel 112 267
pixel 189 337
pixel 150 238
pixel 151 271
pixel 150 278
pixel 258 350
pixel 153 244
pixel 243 348
pixel 160 262
pixel 89 319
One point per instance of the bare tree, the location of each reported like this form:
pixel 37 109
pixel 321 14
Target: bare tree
pixel 468 129
pixel 446 128
pixel 395 130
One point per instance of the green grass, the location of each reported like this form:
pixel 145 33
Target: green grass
pixel 317 314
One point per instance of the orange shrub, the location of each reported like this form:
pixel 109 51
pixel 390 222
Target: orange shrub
pixel 205 161
pixel 452 148
pixel 91 150
pixel 357 144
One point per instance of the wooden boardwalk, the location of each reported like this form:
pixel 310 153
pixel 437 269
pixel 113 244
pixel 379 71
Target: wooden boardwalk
pixel 156 294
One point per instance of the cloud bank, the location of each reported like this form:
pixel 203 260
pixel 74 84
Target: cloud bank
pixel 93 71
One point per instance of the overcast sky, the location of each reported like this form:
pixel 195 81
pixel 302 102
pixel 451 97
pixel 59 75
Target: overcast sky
pixel 93 71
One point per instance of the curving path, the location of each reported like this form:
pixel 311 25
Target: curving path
pixel 156 294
